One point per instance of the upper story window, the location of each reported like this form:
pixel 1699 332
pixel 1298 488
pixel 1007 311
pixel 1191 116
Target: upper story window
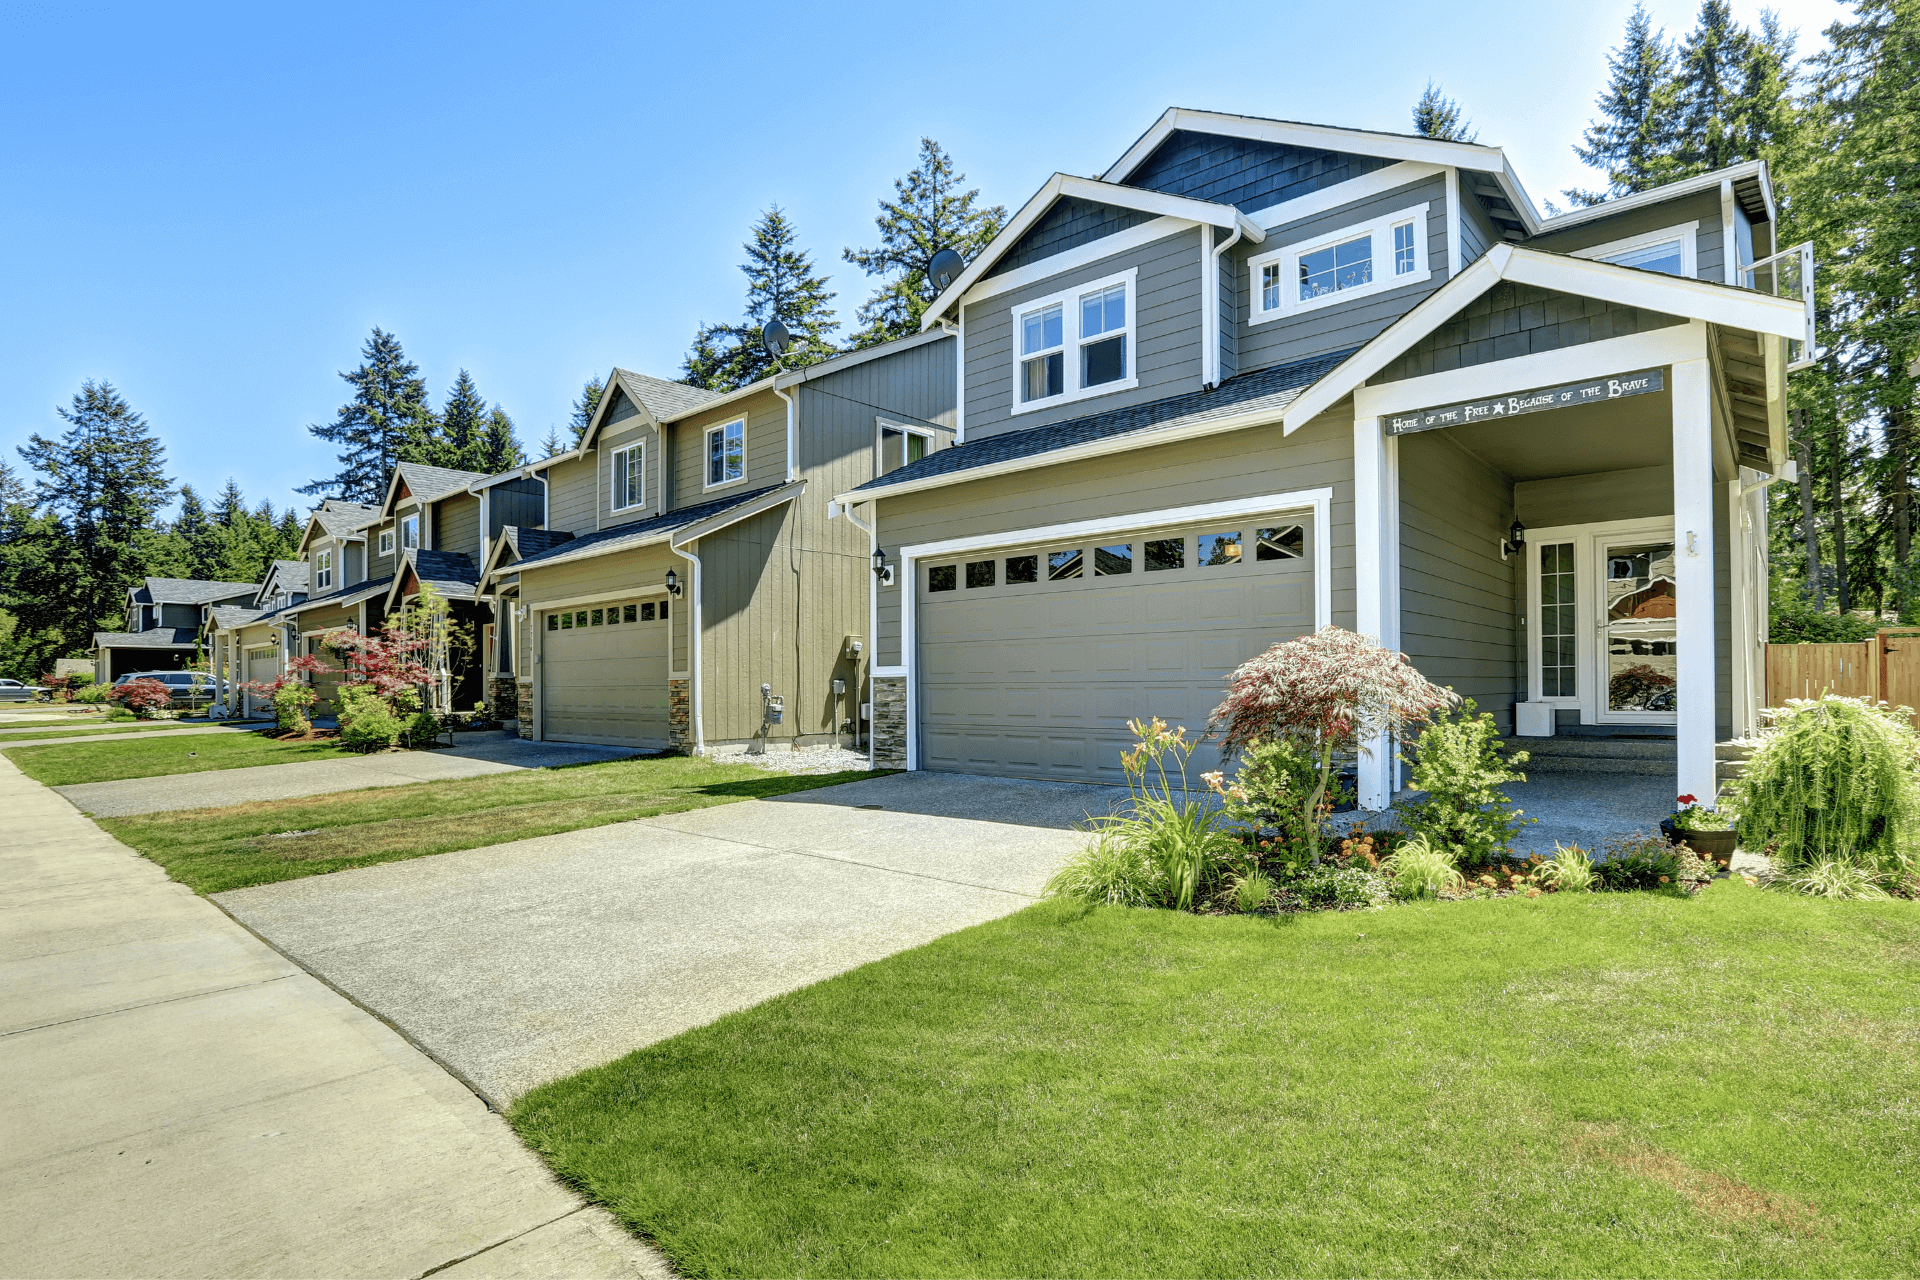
pixel 1074 344
pixel 1343 265
pixel 629 477
pixel 323 570
pixel 386 542
pixel 410 532
pixel 902 445
pixel 727 453
pixel 1669 250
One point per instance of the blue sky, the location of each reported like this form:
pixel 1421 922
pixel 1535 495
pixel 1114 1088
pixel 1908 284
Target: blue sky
pixel 211 205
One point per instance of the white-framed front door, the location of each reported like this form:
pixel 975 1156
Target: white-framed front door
pixel 1601 623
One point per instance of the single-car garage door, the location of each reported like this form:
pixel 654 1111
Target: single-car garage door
pixel 1032 659
pixel 604 674
pixel 262 667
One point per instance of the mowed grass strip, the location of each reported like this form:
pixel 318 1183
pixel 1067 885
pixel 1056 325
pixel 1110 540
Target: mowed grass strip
pixel 91 730
pixel 60 765
pixel 1605 1085
pixel 211 850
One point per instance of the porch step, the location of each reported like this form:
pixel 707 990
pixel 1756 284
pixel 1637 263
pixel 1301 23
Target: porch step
pixel 1597 755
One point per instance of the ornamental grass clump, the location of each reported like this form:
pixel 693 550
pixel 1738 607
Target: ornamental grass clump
pixel 1421 869
pixel 1569 870
pixel 1834 781
pixel 1332 694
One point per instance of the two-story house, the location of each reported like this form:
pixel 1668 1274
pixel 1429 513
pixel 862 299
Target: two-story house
pixel 246 644
pixel 164 618
pixel 1261 377
pixel 686 588
pixel 434 532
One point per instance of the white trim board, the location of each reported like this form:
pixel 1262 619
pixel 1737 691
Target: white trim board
pixel 1134 237
pixel 598 597
pixel 1687 233
pixel 1381 256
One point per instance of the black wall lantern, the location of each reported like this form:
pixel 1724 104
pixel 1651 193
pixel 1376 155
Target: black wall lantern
pixel 673 583
pixel 1516 540
pixel 881 569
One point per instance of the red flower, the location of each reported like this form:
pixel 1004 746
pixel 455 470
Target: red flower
pixel 1684 799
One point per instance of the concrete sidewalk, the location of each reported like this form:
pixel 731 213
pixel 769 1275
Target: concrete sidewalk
pixel 523 962
pixel 82 735
pixel 183 1101
pixel 215 787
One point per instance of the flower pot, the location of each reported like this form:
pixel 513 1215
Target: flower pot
pixel 1715 846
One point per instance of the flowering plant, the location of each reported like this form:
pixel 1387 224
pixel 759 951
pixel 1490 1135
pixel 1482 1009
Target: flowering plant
pixel 143 697
pixel 1691 815
pixel 290 693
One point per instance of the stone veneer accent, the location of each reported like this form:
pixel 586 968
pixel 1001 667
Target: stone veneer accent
pixel 890 722
pixel 506 698
pixel 523 703
pixel 680 715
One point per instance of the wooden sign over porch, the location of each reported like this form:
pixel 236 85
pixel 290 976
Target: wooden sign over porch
pixel 1592 391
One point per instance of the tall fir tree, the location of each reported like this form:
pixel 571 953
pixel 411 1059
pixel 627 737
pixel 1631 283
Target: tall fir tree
pixel 1706 86
pixel 460 426
pixel 781 284
pixel 197 535
pixel 550 445
pixel 1438 116
pixel 388 413
pixel 1635 128
pixel 499 448
pixel 292 526
pixel 104 481
pixel 583 409
pixel 929 212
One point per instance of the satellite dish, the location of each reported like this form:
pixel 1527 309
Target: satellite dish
pixel 945 269
pixel 776 337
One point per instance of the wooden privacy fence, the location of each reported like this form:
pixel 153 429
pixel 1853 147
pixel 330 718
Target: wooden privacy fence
pixel 1885 668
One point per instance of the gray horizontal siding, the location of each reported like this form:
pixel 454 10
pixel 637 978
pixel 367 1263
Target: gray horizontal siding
pixel 1166 339
pixel 1513 320
pixel 1244 172
pixel 1703 208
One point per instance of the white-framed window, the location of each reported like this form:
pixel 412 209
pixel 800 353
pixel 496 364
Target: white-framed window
pixel 901 445
pixel 727 453
pixel 410 532
pixel 1075 344
pixel 1670 250
pixel 1352 262
pixel 322 570
pixel 386 542
pixel 630 477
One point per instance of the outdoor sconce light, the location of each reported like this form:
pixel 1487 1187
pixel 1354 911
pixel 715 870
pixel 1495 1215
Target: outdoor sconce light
pixel 1515 541
pixel 673 583
pixel 881 569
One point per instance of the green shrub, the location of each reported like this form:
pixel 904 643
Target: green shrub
pixel 421 727
pixel 290 703
pixel 1639 861
pixel 1346 887
pixel 367 723
pixel 1269 794
pixel 1570 870
pixel 1421 869
pixel 1459 766
pixel 121 713
pixel 1834 879
pixel 1111 873
pixel 93 693
pixel 1790 620
pixel 1834 779
pixel 1252 892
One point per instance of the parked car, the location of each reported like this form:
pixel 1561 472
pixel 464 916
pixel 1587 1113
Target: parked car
pixel 189 688
pixel 16 691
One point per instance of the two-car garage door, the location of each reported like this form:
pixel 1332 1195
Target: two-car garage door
pixel 604 674
pixel 1033 658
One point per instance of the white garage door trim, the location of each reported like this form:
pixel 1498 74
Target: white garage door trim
pixel 1318 501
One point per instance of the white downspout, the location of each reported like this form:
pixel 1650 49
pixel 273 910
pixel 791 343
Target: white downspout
pixel 793 460
pixel 1729 243
pixel 693 646
pixel 959 378
pixel 873 610
pixel 1210 301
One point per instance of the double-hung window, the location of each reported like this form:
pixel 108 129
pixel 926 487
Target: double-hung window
pixel 727 453
pixel 386 542
pixel 1340 266
pixel 410 532
pixel 323 571
pixel 1074 344
pixel 630 477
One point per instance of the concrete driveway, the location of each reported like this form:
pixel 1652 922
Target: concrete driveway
pixel 524 962
pixel 492 753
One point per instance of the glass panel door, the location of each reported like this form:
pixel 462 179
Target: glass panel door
pixel 1638 627
pixel 1559 666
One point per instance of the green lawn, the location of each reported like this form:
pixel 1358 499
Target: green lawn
pixel 1569 1086
pixel 89 730
pixel 59 765
pixel 210 850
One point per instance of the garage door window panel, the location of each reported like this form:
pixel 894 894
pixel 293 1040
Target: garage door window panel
pixel 1166 553
pixel 1285 542
pixel 1112 562
pixel 1218 549
pixel 1022 569
pixel 943 577
pixel 1063 565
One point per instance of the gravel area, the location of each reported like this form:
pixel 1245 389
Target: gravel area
pixel 814 760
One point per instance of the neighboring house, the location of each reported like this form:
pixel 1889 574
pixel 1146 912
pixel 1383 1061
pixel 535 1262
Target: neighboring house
pixel 435 533
pixel 245 643
pixel 1260 377
pixel 686 587
pixel 163 625
pixel 349 558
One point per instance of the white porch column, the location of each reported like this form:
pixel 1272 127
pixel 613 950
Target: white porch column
pixel 1376 574
pixel 1693 578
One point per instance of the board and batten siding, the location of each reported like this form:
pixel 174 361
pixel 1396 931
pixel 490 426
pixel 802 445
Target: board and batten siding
pixel 456 526
pixel 1457 596
pixel 570 495
pixel 1337 326
pixel 1236 464
pixel 616 575
pixel 766 440
pixel 1165 348
pixel 1703 207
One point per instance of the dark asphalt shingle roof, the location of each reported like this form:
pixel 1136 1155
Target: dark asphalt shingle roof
pixel 157 638
pixel 661 398
pixel 613 539
pixel 430 483
pixel 1272 388
pixel 533 542
pixel 344 596
pixel 451 573
pixel 194 590
pixel 232 616
pixel 292 574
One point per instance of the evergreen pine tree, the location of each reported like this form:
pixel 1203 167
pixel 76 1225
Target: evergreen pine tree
pixel 585 407
pixel 550 444
pixel 230 508
pixel 499 447
pixel 1438 116
pixel 104 479
pixel 1635 126
pixel 780 285
pixel 388 413
pixel 462 424
pixel 929 213
pixel 292 527
pixel 196 534
pixel 1706 88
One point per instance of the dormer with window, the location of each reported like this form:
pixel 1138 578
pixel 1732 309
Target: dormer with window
pixel 323 569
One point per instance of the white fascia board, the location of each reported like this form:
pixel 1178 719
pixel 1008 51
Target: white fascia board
pixel 1077 259
pixel 1659 195
pixel 1093 449
pixel 1391 146
pixel 1352 191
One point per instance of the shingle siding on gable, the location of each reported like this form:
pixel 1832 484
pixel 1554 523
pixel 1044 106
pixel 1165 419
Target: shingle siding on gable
pixel 1243 172
pixel 1512 320
pixel 1068 225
